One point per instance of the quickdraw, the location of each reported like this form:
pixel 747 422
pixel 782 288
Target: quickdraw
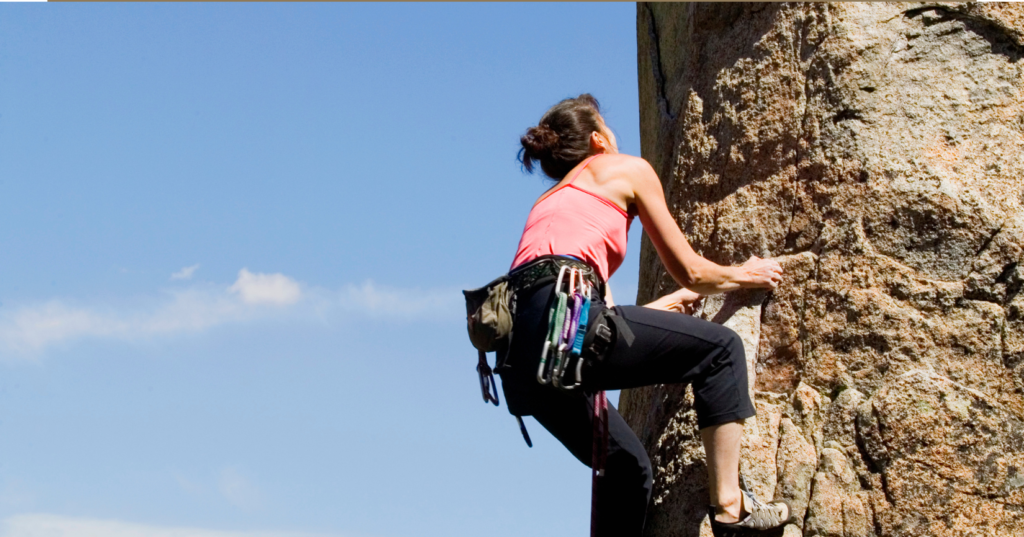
pixel 570 311
pixel 567 326
pixel 580 317
pixel 573 343
pixel 556 320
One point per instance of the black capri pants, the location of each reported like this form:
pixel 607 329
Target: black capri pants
pixel 668 348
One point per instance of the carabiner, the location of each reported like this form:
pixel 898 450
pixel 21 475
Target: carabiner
pixel 556 316
pixel 487 384
pixel 558 282
pixel 541 377
pixel 567 332
pixel 569 336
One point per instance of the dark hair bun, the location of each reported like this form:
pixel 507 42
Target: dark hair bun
pixel 561 140
pixel 539 141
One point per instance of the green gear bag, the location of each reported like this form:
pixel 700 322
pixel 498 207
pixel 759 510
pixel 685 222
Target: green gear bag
pixel 488 319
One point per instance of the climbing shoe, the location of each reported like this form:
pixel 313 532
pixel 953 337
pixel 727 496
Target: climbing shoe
pixel 761 519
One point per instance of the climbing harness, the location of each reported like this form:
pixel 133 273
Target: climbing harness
pixel 491 309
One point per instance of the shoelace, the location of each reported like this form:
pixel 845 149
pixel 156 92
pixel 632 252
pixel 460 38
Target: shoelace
pixel 762 516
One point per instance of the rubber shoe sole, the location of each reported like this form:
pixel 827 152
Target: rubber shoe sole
pixel 721 529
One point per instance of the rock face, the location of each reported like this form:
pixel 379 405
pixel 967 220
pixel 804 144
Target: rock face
pixel 876 150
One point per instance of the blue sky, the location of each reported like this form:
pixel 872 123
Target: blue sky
pixel 232 239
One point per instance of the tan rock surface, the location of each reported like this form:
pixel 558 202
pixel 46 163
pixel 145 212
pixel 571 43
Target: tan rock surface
pixel 876 150
pixel 951 456
pixel 795 468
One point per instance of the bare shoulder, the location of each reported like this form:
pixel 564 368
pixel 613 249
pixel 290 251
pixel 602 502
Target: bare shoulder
pixel 623 179
pixel 621 162
pixel 636 172
pixel 623 166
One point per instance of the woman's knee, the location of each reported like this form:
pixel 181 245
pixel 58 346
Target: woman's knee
pixel 632 469
pixel 722 395
pixel 731 345
pixel 733 360
pixel 734 347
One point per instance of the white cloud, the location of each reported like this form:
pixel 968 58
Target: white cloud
pixel 46 525
pixel 185 273
pixel 266 288
pixel 32 327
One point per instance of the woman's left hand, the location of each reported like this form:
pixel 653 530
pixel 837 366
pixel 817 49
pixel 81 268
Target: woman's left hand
pixel 681 301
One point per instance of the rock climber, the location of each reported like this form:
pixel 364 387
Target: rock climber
pixel 582 222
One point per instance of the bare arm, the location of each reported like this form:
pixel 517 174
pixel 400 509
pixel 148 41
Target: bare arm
pixel 681 301
pixel 608 300
pixel 687 267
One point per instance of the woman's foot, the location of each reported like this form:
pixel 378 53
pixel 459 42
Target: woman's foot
pixel 754 517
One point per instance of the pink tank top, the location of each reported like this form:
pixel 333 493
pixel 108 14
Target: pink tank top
pixel 573 221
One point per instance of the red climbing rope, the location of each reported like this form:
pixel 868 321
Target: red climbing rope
pixel 599 453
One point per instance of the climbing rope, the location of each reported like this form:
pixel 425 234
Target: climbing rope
pixel 599 453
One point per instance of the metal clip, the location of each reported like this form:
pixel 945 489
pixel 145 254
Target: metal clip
pixel 487 384
pixel 568 331
pixel 561 272
pixel 554 325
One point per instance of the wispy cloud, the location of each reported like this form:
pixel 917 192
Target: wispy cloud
pixel 47 525
pixel 266 288
pixel 238 489
pixel 185 273
pixel 231 484
pixel 32 327
pixel 397 302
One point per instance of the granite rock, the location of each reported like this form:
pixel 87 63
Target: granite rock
pixel 874 149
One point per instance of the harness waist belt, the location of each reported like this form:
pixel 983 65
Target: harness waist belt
pixel 544 269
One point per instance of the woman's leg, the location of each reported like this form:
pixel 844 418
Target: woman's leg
pixel 669 348
pixel 624 491
pixel 675 348
pixel 722 446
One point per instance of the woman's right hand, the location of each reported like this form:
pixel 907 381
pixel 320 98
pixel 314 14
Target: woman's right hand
pixel 764 273
pixel 681 301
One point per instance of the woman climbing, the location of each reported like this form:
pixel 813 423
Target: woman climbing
pixel 581 224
